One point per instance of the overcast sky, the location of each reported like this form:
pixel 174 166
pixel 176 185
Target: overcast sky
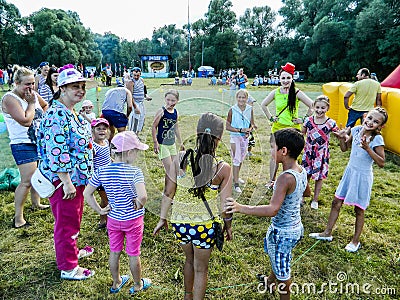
pixel 135 19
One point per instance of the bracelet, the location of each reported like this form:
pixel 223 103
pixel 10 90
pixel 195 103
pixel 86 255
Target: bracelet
pixel 271 119
pixel 228 219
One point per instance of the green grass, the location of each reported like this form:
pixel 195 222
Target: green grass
pixel 28 261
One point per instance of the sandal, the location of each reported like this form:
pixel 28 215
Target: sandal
pixel 124 280
pixel 85 251
pixel 318 236
pixel 146 284
pixel 73 275
pixel 350 247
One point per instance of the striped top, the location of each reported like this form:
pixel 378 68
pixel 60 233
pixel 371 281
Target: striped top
pixel 101 155
pixel 119 180
pixel 45 91
pixel 138 90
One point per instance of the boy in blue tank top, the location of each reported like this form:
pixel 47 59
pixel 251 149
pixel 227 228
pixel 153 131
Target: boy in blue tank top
pixel 286 229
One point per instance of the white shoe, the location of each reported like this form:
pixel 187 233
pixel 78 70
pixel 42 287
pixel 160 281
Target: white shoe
pixel 241 181
pixel 314 204
pixel 350 247
pixel 238 189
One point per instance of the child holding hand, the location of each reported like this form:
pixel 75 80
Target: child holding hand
pixel 286 229
pixel 240 122
pixel 164 130
pixel 367 147
pixel 126 192
pixel 317 129
pixel 101 157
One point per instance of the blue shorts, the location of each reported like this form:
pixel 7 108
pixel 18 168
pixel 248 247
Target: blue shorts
pixel 201 236
pixel 278 244
pixel 353 116
pixel 116 119
pixel 24 153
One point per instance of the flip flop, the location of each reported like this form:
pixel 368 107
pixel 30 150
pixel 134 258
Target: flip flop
pixel 125 279
pixel 73 275
pixel 317 235
pixel 85 251
pixel 26 225
pixel 146 284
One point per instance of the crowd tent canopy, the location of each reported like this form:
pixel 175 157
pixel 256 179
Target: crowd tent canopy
pixel 205 71
pixel 155 66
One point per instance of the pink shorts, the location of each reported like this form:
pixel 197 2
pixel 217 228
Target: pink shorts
pixel 241 145
pixel 132 230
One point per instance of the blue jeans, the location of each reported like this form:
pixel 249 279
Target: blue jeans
pixel 353 116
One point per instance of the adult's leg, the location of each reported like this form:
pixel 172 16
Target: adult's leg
pixel 114 268
pixel 284 289
pixel 359 225
pixel 188 270
pixel 21 192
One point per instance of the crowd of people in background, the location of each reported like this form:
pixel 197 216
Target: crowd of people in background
pixel 80 153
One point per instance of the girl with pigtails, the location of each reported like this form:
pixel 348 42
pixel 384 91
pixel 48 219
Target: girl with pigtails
pixel 191 222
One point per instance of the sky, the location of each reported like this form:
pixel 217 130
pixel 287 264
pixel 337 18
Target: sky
pixel 135 19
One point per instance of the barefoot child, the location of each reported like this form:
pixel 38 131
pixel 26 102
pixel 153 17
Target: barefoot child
pixel 240 122
pixel 101 157
pixel 317 129
pixel 126 192
pixel 286 228
pixel 367 147
pixel 165 129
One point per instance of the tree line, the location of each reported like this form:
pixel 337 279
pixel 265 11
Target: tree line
pixel 328 39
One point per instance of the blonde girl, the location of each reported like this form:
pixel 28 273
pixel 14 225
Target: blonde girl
pixel 317 129
pixel 367 147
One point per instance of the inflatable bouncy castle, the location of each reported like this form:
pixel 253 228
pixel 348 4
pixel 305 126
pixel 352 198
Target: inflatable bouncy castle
pixel 390 101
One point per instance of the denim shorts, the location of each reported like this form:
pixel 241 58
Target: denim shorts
pixel 116 119
pixel 278 244
pixel 353 116
pixel 24 153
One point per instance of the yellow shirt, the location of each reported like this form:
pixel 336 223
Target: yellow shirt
pixel 365 92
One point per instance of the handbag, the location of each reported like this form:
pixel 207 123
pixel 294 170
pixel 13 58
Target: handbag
pixel 42 185
pixel 219 234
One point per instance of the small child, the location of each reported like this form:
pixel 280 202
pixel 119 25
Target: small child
pixel 367 147
pixel 317 129
pixel 164 130
pixel 101 157
pixel 286 229
pixel 126 192
pixel 87 112
pixel 240 122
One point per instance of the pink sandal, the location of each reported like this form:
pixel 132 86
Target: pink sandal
pixel 85 251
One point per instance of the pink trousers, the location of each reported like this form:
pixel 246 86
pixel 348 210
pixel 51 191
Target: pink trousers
pixel 67 223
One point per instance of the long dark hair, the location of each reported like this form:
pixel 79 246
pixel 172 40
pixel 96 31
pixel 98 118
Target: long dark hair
pixel 291 95
pixel 48 81
pixel 209 131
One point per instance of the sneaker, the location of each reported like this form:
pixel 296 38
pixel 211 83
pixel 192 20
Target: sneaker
pixel 314 204
pixel 350 247
pixel 241 181
pixel 238 189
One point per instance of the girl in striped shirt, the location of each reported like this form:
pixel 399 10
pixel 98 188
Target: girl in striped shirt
pixel 101 157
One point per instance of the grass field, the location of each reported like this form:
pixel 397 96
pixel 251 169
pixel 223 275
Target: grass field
pixel 28 261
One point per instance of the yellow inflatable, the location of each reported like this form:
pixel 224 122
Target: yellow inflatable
pixel 390 101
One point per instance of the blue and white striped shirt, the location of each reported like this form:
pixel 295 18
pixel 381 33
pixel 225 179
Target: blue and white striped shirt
pixel 119 180
pixel 101 155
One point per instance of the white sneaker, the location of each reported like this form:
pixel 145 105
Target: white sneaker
pixel 241 181
pixel 314 204
pixel 238 189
